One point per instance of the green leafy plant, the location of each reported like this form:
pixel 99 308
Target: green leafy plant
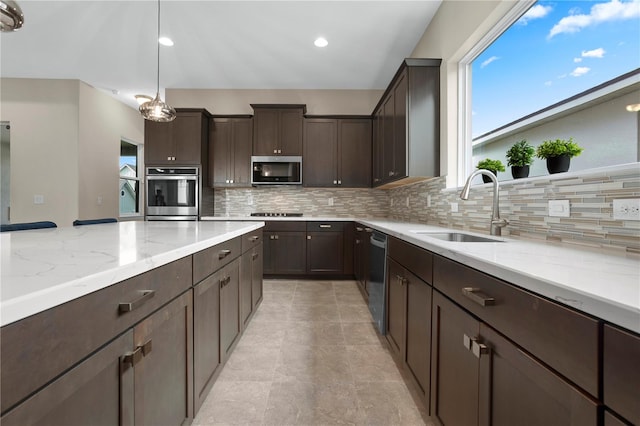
pixel 520 154
pixel 492 165
pixel 558 147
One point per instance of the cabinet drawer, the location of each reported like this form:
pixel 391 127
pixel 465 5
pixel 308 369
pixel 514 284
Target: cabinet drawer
pixel 284 226
pixel 621 373
pixel 251 239
pixel 44 339
pixel 207 261
pixel 415 259
pixel 564 339
pixel 325 226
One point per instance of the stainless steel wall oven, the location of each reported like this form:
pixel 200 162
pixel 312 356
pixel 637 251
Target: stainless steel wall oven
pixel 172 193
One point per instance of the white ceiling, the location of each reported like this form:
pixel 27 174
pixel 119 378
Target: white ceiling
pixel 218 44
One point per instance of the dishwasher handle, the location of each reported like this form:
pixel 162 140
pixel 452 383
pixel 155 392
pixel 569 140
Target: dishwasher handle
pixel 378 243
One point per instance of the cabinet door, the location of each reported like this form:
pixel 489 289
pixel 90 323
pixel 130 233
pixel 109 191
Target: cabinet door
pixel 158 143
pixel 229 307
pixel 419 331
pixel 454 368
pixel 265 131
pixel 246 276
pixel 320 162
pixel 396 307
pixel 325 253
pixel 516 389
pixel 99 391
pixel 188 134
pixel 291 253
pixel 164 377
pixel 387 138
pixel 621 374
pixel 354 149
pixel 291 122
pixel 206 336
pixel 400 127
pixel 256 272
pixel 220 152
pixel 240 160
pixel 378 147
pixel 269 253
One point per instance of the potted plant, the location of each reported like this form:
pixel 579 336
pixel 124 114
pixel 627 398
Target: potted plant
pixel 519 157
pixel 493 166
pixel 558 154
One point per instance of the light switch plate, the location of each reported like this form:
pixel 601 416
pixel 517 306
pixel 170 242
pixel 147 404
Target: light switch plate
pixel 454 207
pixel 559 208
pixel 38 199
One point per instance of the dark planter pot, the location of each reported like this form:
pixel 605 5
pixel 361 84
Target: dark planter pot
pixel 487 179
pixel 519 172
pixel 558 164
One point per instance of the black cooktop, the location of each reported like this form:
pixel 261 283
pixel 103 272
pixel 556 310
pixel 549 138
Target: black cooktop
pixel 274 214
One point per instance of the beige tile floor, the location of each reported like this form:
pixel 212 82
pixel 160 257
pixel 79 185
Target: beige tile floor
pixel 311 356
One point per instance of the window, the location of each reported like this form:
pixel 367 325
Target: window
pixel 129 180
pixel 556 70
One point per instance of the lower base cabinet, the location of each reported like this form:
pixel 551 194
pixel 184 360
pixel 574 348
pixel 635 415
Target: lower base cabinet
pixel 479 377
pixel 229 307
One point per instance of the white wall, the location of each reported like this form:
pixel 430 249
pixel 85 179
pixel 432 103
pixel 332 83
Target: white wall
pixel 44 147
pixel 229 101
pixel 103 122
pixel 65 145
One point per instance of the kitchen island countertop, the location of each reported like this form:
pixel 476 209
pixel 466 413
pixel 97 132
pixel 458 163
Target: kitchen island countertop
pixel 44 268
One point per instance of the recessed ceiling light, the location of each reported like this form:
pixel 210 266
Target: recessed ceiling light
pixel 165 41
pixel 633 107
pixel 321 42
pixel 142 99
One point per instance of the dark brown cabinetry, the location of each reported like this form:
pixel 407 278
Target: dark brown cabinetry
pixel 337 152
pixel 480 377
pixel 183 141
pixel 229 307
pixel 285 248
pixel 277 129
pixel 230 145
pixel 621 373
pixel 250 275
pixel 396 307
pixel 407 125
pixel 325 248
pixel 361 256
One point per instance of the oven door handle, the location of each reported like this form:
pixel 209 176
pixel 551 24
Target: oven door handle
pixel 172 177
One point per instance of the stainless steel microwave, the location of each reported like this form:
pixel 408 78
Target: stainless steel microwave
pixel 280 170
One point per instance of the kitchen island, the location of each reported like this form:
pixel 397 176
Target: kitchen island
pixel 123 323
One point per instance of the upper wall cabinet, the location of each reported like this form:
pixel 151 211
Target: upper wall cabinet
pixel 183 141
pixel 337 152
pixel 406 145
pixel 277 129
pixel 230 141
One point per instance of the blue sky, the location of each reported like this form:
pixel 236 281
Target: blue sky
pixel 556 50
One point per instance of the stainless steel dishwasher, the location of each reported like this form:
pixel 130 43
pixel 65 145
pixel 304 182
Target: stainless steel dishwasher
pixel 377 274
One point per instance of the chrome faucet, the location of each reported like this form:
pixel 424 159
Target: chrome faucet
pixel 496 223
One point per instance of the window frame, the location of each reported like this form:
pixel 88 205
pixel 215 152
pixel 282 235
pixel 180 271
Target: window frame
pixel 138 178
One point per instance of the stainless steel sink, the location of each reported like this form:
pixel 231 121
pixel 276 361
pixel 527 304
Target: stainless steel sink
pixel 458 237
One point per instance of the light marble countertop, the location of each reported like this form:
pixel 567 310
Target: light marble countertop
pixel 602 283
pixel 47 267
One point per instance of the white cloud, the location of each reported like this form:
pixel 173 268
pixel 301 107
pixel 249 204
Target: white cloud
pixel 614 10
pixel 580 71
pixel 577 60
pixel 595 53
pixel 536 12
pixel 488 61
pixel 548 83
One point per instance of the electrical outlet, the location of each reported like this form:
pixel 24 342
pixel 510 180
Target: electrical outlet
pixel 454 207
pixel 331 201
pixel 559 208
pixel 99 200
pixel 407 201
pixel 626 209
pixel 38 199
pixel 429 200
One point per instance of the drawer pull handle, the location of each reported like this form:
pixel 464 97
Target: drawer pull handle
pixel 479 349
pixel 359 229
pixel 478 296
pixel 146 347
pixel 254 256
pixel 130 306
pixel 132 357
pixel 325 226
pixel 225 281
pixel 223 253
pixel 368 230
pixel 253 238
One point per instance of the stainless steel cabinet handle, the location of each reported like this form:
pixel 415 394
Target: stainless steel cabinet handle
pixel 146 347
pixel 401 280
pixel 368 230
pixel 132 357
pixel 225 281
pixel 223 253
pixel 325 226
pixel 335 182
pixel 254 256
pixel 253 238
pixel 479 349
pixel 275 237
pixel 359 229
pixel 339 182
pixel 466 342
pixel 308 237
pixel 478 296
pixel 135 304
pixel 390 173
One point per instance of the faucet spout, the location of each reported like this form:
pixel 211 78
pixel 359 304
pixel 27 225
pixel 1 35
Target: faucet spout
pixel 496 222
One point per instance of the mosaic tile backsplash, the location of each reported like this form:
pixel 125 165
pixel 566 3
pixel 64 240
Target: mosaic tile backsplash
pixel 523 203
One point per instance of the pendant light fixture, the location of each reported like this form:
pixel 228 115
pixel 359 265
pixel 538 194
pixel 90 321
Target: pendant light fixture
pixel 157 110
pixel 11 17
